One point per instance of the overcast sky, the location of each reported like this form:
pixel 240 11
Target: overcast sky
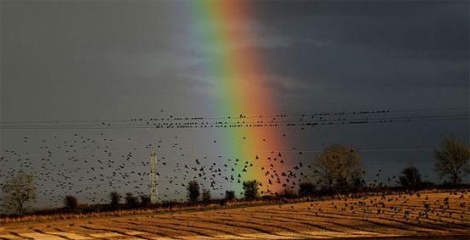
pixel 91 60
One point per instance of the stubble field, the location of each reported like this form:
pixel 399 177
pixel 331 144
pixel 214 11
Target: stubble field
pixel 441 215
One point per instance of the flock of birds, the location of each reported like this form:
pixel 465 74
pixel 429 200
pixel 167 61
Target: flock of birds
pixel 93 167
pixel 90 164
pixel 409 207
pixel 302 121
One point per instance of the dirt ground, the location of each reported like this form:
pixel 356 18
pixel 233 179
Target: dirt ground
pixel 430 215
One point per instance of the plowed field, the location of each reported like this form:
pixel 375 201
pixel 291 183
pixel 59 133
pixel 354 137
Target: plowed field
pixel 441 215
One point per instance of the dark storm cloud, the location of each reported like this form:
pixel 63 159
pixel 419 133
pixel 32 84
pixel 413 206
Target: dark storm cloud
pixel 431 30
pixel 92 25
pixel 381 46
pixel 97 56
pixel 411 25
pixel 335 45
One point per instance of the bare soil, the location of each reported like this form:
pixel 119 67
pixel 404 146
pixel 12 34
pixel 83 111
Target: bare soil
pixel 428 215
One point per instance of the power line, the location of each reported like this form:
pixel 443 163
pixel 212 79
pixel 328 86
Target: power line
pixel 239 116
pixel 242 124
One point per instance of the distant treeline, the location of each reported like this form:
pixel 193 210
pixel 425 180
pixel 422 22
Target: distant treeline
pixel 337 170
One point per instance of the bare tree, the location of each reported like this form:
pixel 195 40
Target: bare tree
pixel 452 159
pixel 18 191
pixel 337 167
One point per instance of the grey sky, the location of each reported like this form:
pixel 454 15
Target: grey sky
pixel 91 60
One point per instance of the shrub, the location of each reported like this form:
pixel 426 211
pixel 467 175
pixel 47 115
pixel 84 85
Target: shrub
pixel 289 193
pixel 250 189
pixel 131 200
pixel 145 200
pixel 229 195
pixel 206 195
pixel 193 191
pixel 411 178
pixel 115 198
pixel 306 189
pixel 427 184
pixel 71 202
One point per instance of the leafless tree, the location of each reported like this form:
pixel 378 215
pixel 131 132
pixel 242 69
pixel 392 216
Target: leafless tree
pixel 338 167
pixel 453 160
pixel 18 191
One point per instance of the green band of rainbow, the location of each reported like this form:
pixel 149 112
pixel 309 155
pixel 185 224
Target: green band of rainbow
pixel 240 83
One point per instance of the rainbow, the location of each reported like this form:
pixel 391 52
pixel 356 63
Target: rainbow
pixel 240 80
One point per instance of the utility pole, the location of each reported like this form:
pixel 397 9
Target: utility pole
pixel 153 178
